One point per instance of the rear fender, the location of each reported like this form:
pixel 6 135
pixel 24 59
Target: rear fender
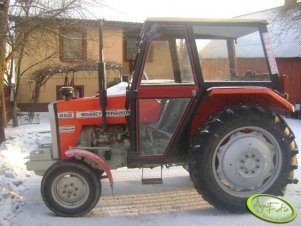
pixel 218 98
pixel 93 157
pixel 265 93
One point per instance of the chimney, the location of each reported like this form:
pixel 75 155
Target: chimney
pixel 290 3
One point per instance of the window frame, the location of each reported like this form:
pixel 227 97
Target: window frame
pixel 63 31
pixel 230 52
pixel 150 51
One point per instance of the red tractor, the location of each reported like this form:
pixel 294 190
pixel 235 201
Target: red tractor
pixel 205 94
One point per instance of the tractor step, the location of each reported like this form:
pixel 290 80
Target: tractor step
pixel 151 181
pixel 156 180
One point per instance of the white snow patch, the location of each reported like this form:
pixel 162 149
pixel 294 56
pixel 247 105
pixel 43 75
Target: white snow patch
pixel 118 89
pixel 19 142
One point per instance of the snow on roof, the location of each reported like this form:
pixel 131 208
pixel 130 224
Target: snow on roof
pixel 284 29
pixel 207 20
pixel 82 20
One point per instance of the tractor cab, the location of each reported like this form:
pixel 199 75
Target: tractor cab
pixel 178 63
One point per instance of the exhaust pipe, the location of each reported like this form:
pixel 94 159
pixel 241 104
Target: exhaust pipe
pixel 101 78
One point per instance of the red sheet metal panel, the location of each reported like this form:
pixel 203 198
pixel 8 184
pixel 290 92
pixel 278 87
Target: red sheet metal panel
pixel 292 83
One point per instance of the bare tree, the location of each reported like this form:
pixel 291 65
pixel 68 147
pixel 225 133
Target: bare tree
pixel 29 21
pixel 3 26
pixel 41 76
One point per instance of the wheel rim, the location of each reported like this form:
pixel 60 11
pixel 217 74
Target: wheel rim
pixel 70 190
pixel 246 161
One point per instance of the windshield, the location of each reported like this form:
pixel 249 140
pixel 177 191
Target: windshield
pixel 231 53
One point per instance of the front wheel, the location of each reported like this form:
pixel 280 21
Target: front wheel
pixel 70 188
pixel 239 152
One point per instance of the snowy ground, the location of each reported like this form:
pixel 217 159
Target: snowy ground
pixel 174 203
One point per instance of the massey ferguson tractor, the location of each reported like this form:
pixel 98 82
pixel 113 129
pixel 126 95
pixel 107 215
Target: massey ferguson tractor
pixel 204 94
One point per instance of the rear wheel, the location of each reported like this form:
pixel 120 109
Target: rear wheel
pixel 70 188
pixel 241 151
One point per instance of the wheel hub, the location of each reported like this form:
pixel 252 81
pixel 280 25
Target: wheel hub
pixel 70 190
pixel 250 163
pixel 245 159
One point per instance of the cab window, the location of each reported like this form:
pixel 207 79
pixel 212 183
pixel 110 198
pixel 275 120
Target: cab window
pixel 168 61
pixel 231 53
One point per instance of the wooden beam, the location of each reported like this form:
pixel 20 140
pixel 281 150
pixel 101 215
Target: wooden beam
pixel 232 57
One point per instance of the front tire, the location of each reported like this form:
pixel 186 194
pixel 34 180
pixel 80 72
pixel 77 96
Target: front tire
pixel 241 151
pixel 70 188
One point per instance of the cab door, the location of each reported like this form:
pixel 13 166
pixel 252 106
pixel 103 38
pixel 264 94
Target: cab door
pixel 166 88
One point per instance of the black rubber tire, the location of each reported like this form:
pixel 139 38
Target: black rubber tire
pixel 91 179
pixel 210 134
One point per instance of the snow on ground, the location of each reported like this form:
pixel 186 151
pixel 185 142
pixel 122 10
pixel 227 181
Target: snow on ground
pixel 175 202
pixel 19 142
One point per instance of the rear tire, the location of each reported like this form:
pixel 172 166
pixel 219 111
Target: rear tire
pixel 241 151
pixel 70 188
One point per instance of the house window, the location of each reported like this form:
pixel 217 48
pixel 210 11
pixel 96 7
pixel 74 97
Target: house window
pixel 73 44
pixel 131 49
pixel 78 91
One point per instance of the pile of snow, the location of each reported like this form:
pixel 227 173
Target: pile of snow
pixel 19 142
pixel 118 89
